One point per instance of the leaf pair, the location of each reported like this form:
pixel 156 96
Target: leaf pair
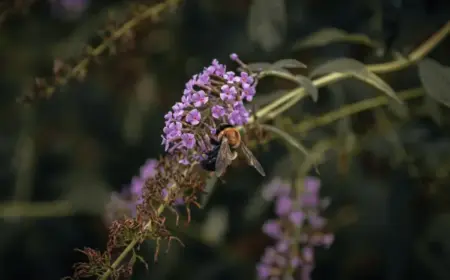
pixel 358 70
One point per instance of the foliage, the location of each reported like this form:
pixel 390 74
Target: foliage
pixel 314 134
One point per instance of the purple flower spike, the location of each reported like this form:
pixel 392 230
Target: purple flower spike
pixel 210 98
pixel 293 209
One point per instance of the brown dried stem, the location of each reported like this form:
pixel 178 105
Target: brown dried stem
pixel 152 12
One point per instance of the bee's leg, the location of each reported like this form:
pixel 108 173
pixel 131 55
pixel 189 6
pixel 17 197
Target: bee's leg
pixel 222 180
pixel 235 155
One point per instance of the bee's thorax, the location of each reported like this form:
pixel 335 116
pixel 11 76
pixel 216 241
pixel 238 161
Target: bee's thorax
pixel 233 136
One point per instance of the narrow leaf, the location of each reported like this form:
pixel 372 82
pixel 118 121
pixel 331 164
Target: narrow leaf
pixel 398 109
pixel 310 88
pixel 288 63
pixel 259 66
pixel 331 35
pixel 288 138
pixel 436 80
pixel 357 70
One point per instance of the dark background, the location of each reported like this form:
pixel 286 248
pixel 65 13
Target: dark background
pixel 92 136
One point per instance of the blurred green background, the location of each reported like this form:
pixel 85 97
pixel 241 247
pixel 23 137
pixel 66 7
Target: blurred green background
pixel 61 157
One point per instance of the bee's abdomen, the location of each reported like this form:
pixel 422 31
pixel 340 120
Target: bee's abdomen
pixel 209 163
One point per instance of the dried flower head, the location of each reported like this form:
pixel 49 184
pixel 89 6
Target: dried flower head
pixel 123 204
pixel 211 97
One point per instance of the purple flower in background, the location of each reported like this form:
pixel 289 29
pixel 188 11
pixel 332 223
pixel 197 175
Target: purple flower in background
pixel 283 205
pixel 124 204
pixel 149 169
pixel 209 98
pixel 275 188
pixel 293 249
pixel 137 184
pixel 264 271
pixel 69 9
pixel 272 228
pixel 297 218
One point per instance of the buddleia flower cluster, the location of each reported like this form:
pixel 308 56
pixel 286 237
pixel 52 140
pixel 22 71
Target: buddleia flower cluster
pixel 124 204
pixel 297 230
pixel 210 98
pixel 213 96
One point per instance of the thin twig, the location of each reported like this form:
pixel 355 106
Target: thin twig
pixel 36 209
pixel 354 108
pixel 152 12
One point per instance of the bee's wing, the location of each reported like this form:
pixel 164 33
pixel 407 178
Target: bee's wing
pixel 224 158
pixel 251 160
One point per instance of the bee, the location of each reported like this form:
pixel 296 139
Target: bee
pixel 225 150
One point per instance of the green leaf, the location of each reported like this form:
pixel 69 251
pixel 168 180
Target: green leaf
pixel 288 63
pixel 259 66
pixel 332 35
pixel 435 79
pixel 398 109
pixel 357 70
pixel 287 137
pixel 309 87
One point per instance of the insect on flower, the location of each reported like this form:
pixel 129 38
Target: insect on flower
pixel 225 150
